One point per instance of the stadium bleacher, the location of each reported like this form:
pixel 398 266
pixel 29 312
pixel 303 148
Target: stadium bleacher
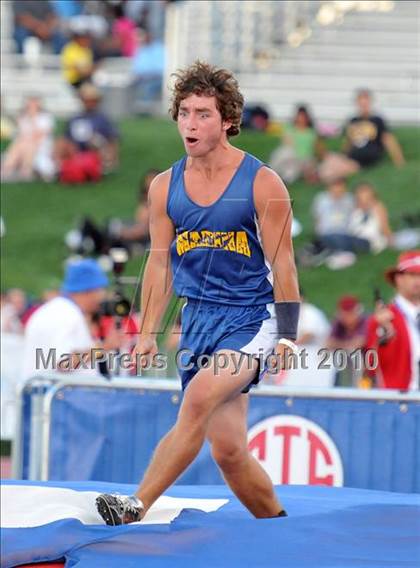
pixel 375 49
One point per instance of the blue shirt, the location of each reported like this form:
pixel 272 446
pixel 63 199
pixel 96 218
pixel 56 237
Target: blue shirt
pixel 217 254
pixel 149 59
pixel 66 9
pixel 89 127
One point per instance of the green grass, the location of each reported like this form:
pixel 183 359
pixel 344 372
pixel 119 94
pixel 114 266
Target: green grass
pixel 37 215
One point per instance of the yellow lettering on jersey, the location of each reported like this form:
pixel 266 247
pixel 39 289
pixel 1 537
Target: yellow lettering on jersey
pixel 233 241
pixel 229 241
pixel 207 239
pixel 182 243
pixel 242 243
pixel 217 239
pixel 195 239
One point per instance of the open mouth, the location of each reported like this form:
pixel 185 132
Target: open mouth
pixel 191 140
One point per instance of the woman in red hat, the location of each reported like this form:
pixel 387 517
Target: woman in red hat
pixel 394 330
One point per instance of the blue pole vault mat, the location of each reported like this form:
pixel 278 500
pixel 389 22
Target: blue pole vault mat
pixel 326 527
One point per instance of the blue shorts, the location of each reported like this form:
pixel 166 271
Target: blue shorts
pixel 207 327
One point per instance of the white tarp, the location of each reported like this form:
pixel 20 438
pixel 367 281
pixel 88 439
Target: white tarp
pixel 24 506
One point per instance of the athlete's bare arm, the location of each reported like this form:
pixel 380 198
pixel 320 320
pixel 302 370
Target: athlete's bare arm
pixel 157 281
pixel 274 210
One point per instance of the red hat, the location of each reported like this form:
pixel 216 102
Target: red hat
pixel 407 262
pixel 348 303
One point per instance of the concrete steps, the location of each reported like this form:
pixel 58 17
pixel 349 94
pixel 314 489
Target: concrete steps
pixel 379 51
pixel 316 82
pixel 56 95
pixel 368 37
pixel 362 68
pixel 339 51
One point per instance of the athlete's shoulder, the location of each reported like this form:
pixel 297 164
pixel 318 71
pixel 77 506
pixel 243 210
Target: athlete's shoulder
pixel 163 180
pixel 268 181
pixel 269 190
pixel 263 173
pixel 158 191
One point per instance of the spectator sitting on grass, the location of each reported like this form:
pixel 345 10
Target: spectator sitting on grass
pixel 367 137
pixel 89 131
pixel 344 225
pixel 369 220
pixel 77 59
pixel 296 157
pixel 31 151
pixel 36 18
pixel 331 210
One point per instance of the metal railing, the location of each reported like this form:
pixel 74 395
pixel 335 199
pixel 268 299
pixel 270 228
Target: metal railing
pixel 44 391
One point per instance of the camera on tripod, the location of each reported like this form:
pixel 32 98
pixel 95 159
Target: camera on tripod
pixel 117 305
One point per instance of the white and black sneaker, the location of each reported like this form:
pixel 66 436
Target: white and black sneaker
pixel 120 509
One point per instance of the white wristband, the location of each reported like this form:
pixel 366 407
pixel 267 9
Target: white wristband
pixel 292 346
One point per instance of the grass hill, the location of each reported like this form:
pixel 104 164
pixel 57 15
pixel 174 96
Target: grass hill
pixel 37 215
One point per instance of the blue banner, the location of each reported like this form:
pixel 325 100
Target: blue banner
pixel 109 434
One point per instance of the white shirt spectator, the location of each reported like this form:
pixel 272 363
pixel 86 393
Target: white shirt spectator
pixel 58 325
pixel 331 214
pixel 313 325
pixel 41 125
pixel 367 225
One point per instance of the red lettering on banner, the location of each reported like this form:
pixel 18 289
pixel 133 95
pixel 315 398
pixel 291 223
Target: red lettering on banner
pixel 259 443
pixel 315 446
pixel 292 449
pixel 287 432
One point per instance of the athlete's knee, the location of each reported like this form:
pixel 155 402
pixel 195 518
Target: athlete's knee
pixel 196 408
pixel 229 455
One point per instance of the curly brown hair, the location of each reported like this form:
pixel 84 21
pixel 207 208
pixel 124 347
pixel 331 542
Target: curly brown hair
pixel 204 79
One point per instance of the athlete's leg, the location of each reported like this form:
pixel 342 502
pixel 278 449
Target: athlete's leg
pixel 227 434
pixel 205 393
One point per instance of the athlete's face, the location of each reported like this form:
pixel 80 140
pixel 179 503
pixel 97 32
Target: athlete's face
pixel 200 125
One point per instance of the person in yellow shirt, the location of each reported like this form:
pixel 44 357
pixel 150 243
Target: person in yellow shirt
pixel 77 59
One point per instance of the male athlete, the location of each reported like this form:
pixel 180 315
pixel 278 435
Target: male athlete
pixel 224 220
